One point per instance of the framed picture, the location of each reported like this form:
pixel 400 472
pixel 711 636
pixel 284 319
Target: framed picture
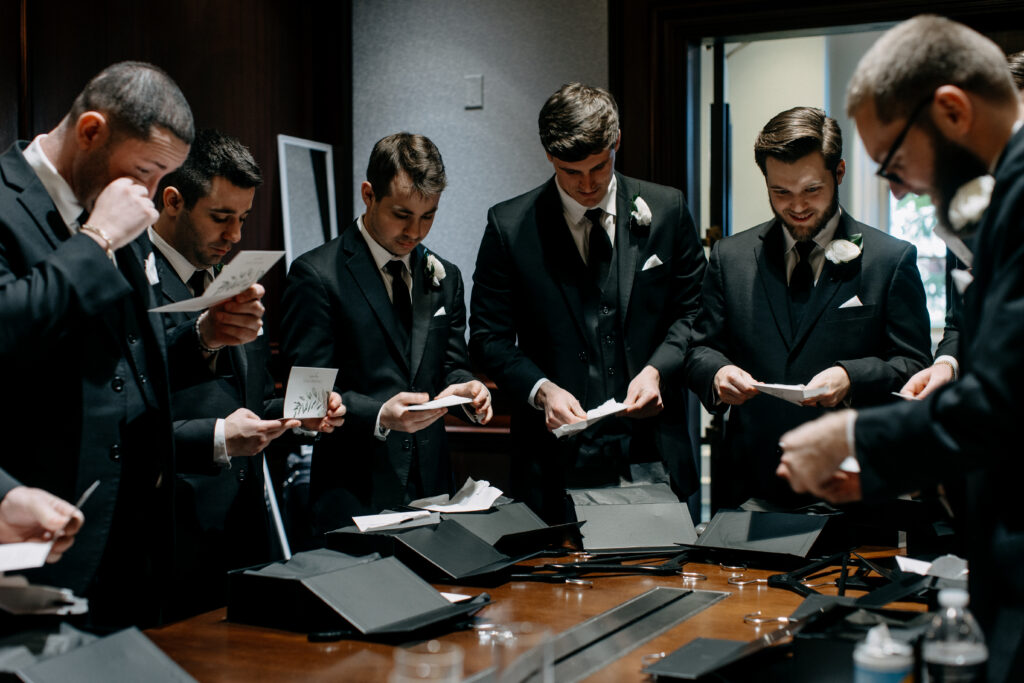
pixel 307 194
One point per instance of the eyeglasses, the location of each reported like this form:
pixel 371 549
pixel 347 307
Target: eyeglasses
pixel 881 172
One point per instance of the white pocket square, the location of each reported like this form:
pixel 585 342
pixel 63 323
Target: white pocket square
pixel 962 279
pixel 440 311
pixel 652 262
pixel 151 274
pixel 852 302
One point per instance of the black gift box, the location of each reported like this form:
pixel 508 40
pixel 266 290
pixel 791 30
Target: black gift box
pixel 632 518
pixel 323 590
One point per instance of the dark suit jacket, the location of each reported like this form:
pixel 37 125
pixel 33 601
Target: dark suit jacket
pixel 7 482
pixel 744 321
pixel 67 361
pixel 338 315
pixel 528 322
pixel 969 430
pixel 221 518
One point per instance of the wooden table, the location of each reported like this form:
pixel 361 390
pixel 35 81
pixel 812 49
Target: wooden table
pixel 212 649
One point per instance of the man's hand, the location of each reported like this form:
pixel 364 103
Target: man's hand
pixel 734 385
pixel 475 390
pixel 247 434
pixel 643 397
pixel 28 514
pixel 335 416
pixel 811 455
pixel 928 380
pixel 235 321
pixel 122 211
pixel 560 407
pixel 838 382
pixel 395 413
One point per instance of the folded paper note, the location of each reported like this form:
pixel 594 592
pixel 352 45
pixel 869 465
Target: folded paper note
pixel 367 522
pixel 244 270
pixel 606 409
pixel 308 391
pixel 794 393
pixel 446 402
pixel 472 497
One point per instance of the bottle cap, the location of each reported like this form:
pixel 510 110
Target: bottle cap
pixel 953 597
pixel 880 652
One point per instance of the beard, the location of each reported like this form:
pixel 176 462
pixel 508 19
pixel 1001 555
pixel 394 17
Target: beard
pixel 954 165
pixel 814 230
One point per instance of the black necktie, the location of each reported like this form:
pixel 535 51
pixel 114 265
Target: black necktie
pixel 801 281
pixel 600 248
pixel 400 294
pixel 197 283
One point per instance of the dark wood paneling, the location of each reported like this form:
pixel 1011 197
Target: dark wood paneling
pixel 252 68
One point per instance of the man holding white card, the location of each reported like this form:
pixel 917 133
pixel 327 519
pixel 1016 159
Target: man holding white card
pixel 584 291
pixel 811 298
pixel 224 410
pixel 390 315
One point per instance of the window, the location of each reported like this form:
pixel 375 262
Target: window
pixel 913 219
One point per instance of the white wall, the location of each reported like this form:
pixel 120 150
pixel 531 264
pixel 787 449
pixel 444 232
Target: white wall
pixel 763 79
pixel 409 61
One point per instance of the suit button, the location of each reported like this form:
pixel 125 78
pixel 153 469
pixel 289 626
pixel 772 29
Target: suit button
pixel 117 384
pixel 241 474
pixel 605 310
pixel 132 338
pixel 142 378
pixel 406 445
pixel 583 356
pixel 115 452
pixel 609 339
pixel 611 371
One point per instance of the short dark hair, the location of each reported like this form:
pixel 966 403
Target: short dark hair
pixel 1016 64
pixel 135 97
pixel 916 57
pixel 415 155
pixel 797 132
pixel 213 154
pixel 577 121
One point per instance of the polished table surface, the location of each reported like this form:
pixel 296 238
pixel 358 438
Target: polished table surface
pixel 213 649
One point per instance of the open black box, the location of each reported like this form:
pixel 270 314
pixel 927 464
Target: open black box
pixel 333 592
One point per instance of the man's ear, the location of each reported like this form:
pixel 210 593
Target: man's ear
pixel 174 203
pixel 840 171
pixel 366 192
pixel 92 131
pixel 953 112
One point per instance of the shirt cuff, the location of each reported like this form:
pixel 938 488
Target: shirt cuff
pixel 220 445
pixel 850 464
pixel 952 362
pixel 379 431
pixel 533 393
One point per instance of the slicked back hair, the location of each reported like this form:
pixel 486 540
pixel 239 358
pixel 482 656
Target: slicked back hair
pixel 415 155
pixel 914 58
pixel 1016 64
pixel 797 132
pixel 578 121
pixel 213 154
pixel 136 97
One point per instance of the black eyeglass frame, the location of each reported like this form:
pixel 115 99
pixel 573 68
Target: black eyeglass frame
pixel 898 142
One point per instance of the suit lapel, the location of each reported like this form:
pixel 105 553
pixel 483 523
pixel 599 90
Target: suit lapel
pixel 33 197
pixel 825 290
pixel 625 243
pixel 172 289
pixel 363 269
pixel 422 308
pixel 771 272
pixel 562 258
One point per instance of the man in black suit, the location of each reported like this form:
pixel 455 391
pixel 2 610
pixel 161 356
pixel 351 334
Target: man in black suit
pixel 935 105
pixel 390 315
pixel 784 303
pixel 584 291
pixel 224 410
pixel 76 283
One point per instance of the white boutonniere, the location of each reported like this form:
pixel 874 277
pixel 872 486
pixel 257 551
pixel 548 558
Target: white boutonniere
pixel 641 213
pixel 970 202
pixel 844 251
pixel 435 271
pixel 151 274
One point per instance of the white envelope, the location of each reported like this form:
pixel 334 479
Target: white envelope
pixel 652 262
pixel 852 302
pixel 962 279
pixel 440 311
